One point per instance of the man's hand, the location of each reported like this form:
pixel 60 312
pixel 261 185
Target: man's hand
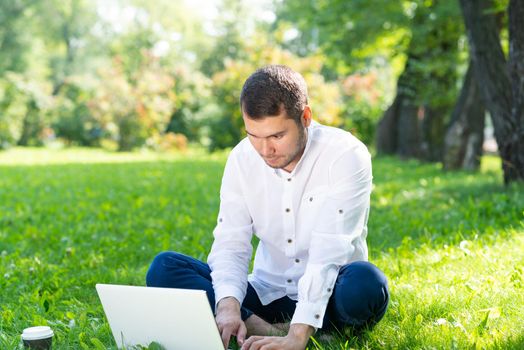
pixel 296 339
pixel 229 321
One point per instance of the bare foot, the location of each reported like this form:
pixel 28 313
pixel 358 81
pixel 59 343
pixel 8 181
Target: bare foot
pixel 257 326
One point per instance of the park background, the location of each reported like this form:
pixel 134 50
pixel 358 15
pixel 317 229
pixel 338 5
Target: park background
pixel 116 118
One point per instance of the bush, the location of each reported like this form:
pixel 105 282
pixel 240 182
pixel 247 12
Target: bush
pixel 168 142
pixel 132 109
pixel 73 121
pixel 193 96
pixel 362 106
pixel 24 110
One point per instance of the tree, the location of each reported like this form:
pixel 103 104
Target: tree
pixel 65 28
pixel 14 40
pixel 355 44
pixel 414 125
pixel 228 44
pixel 425 33
pixel 465 134
pixel 502 97
pixel 25 104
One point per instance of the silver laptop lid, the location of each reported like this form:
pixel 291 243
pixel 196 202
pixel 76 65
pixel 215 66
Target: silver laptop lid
pixel 176 319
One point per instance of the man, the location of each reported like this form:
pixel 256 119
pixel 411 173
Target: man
pixel 303 189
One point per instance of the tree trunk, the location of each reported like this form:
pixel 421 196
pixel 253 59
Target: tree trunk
pixel 398 130
pixel 516 69
pixel 31 126
pixel 386 137
pixel 492 76
pixel 465 134
pixel 413 127
pixel 408 133
pixel 432 131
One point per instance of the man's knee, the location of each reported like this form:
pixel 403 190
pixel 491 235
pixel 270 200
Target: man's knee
pixel 361 294
pixel 364 277
pixel 163 267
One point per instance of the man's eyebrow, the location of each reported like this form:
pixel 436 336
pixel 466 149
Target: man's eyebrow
pixel 275 134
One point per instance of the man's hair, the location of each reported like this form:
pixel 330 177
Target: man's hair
pixel 272 88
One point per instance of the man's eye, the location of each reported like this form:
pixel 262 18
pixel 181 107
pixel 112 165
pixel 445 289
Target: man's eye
pixel 278 137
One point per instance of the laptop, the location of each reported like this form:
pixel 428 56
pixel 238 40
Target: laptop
pixel 174 319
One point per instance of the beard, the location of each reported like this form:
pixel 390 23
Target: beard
pixel 294 155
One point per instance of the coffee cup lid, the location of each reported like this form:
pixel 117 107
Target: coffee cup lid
pixel 35 333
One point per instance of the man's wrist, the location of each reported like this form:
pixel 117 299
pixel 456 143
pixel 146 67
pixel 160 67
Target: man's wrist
pixel 229 303
pixel 301 331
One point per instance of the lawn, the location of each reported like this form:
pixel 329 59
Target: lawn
pixel 451 244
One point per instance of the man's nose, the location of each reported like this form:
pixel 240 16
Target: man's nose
pixel 266 148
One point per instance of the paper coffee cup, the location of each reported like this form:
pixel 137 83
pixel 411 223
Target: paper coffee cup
pixel 37 338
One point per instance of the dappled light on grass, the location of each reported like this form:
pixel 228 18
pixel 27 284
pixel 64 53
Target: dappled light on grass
pixel 450 243
pixel 458 296
pixel 420 201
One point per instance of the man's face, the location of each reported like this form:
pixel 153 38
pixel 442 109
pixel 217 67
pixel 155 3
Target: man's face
pixel 278 139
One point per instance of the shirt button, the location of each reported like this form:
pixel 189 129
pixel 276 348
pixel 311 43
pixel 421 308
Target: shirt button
pixel 329 289
pixel 340 211
pixel 289 179
pixel 311 199
pixel 289 240
pixel 288 210
pixel 297 260
pixel 289 281
pixel 317 316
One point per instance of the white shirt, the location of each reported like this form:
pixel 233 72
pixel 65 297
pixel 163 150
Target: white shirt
pixel 310 222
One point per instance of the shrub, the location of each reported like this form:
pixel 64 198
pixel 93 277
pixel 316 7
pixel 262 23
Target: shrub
pixel 132 109
pixel 73 120
pixel 24 110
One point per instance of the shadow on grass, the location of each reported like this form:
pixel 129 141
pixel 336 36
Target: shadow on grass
pixel 421 203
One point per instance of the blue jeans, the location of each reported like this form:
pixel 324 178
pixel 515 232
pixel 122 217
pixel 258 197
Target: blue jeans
pixel 360 296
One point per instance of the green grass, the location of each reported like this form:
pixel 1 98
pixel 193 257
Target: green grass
pixel 451 244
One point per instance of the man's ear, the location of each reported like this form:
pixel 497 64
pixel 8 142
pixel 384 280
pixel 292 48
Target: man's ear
pixel 306 116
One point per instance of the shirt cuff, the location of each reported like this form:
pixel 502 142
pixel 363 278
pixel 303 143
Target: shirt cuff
pixel 309 313
pixel 228 291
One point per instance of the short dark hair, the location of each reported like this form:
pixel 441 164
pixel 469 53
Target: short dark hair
pixel 272 87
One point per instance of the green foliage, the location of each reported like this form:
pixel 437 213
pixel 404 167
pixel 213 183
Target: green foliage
pixel 15 39
pixel 433 51
pixel 176 25
pixel 132 50
pixel 363 104
pixel 133 109
pixel 226 128
pixel 343 29
pixel 99 56
pixel 24 107
pixel 65 29
pixel 73 121
pixel 193 97
pixel 451 244
pixel 356 35
pixel 229 44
